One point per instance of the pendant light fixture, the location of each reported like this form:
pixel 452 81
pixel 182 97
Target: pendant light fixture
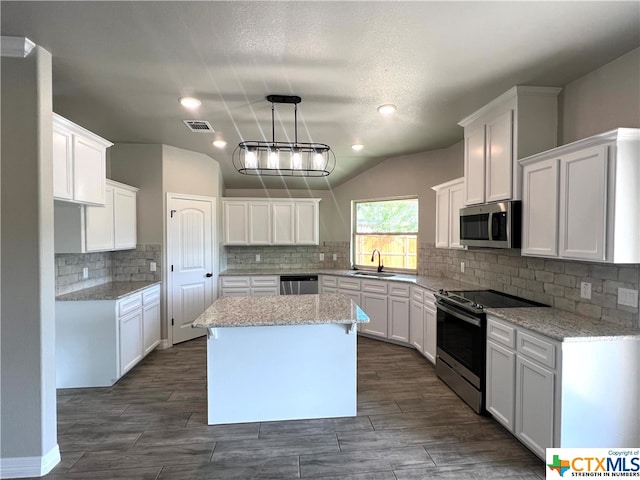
pixel 287 159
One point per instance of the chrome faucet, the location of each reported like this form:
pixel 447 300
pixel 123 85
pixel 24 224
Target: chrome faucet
pixel 380 265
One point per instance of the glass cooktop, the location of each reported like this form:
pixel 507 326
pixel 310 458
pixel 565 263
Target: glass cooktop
pixel 493 299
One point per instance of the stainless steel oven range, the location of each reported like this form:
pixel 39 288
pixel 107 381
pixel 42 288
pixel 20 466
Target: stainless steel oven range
pixel 461 339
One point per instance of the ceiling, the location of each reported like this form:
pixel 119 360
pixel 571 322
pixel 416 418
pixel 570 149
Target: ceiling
pixel 119 68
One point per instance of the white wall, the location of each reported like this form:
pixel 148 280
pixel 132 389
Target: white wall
pixel 397 176
pixel 28 381
pixel 604 99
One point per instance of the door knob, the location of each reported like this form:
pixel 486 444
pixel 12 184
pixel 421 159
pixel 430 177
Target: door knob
pixel 208 275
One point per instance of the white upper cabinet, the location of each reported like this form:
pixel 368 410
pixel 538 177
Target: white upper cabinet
pixel 236 222
pixel 540 217
pixel 259 232
pixel 283 223
pixel 521 122
pixel 449 201
pixel 79 163
pixel 255 221
pixel 307 223
pixel 95 228
pixel 581 202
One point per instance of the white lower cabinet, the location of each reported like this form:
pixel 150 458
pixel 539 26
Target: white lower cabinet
pixel 430 327
pixel 535 401
pixel 249 286
pixel 151 319
pixel 398 312
pixel 501 384
pixel 375 305
pixel 98 341
pixel 131 338
pixel 553 394
pixel 416 319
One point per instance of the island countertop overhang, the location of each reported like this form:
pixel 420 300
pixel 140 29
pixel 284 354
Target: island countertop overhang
pixel 281 310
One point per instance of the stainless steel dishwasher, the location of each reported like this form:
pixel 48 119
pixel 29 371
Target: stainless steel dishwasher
pixel 298 284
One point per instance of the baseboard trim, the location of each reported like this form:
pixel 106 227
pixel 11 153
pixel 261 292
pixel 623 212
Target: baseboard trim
pixel 23 467
pixel 164 343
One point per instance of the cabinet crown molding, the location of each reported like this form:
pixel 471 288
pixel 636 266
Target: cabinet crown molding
pixel 512 93
pixel 610 136
pixel 450 183
pixel 78 130
pixel 17 47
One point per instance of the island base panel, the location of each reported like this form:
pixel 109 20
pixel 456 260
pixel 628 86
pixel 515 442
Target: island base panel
pixel 281 373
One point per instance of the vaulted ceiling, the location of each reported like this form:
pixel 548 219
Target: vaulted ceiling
pixel 119 68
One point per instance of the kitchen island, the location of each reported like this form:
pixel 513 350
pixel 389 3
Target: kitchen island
pixel 281 357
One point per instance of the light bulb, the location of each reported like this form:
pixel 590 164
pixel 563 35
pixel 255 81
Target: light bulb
pixel 296 161
pixel 273 161
pixel 357 147
pixel 219 143
pixel 318 161
pixel 250 159
pixel 387 109
pixel 189 102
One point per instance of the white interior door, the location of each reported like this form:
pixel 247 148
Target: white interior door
pixel 190 262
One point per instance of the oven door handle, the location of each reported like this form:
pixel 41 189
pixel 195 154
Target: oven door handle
pixel 460 315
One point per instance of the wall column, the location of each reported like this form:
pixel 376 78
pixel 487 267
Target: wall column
pixel 28 443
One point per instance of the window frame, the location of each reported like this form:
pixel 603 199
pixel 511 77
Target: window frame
pixel 354 222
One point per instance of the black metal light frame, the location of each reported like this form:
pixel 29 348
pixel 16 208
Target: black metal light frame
pixel 305 159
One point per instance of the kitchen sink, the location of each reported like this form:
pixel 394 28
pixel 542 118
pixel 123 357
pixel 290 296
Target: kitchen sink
pixel 375 274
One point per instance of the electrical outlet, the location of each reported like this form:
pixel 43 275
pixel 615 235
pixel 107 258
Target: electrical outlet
pixel 585 290
pixel 322 257
pixel 85 272
pixel 153 267
pixel 335 257
pixel 628 297
pixel 461 267
pixel 257 257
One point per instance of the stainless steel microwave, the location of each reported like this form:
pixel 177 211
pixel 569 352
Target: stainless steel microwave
pixel 494 225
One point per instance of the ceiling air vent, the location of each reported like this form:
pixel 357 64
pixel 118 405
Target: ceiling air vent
pixel 199 126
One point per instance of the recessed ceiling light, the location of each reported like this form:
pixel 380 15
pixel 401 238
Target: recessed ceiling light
pixel 219 143
pixel 387 109
pixel 357 147
pixel 189 102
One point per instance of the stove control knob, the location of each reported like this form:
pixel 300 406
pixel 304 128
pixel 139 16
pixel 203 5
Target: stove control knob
pixel 442 292
pixel 478 306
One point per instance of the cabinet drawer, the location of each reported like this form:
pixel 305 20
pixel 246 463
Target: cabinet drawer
pixel 151 295
pixel 537 349
pixel 129 304
pixel 429 299
pixel 501 333
pixel 373 286
pixel 399 290
pixel 236 292
pixel 329 281
pixel 264 281
pixel 417 294
pixel 349 284
pixel 236 282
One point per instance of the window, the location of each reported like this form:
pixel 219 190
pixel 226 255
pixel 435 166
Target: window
pixel 390 226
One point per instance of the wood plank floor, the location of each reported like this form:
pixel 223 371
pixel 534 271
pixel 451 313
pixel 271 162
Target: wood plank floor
pixel 152 425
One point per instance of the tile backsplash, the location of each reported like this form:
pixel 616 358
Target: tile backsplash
pixel 289 258
pixel 553 282
pixel 104 267
pixel 549 281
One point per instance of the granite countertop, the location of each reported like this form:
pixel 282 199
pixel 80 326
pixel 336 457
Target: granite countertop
pixel 106 291
pixel 554 323
pixel 433 283
pixel 281 310
pixel 563 326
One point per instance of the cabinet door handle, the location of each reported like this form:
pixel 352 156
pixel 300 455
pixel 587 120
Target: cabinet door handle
pixel 209 275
